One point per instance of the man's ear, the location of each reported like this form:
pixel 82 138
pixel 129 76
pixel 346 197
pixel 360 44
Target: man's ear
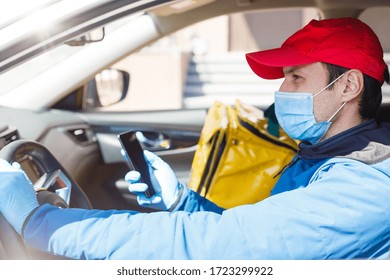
pixel 354 85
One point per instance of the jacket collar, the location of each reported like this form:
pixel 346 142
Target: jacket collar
pixel 367 142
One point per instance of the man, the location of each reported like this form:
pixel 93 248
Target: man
pixel 331 202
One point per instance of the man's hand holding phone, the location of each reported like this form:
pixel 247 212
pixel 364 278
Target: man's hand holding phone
pixel 162 179
pixel 133 153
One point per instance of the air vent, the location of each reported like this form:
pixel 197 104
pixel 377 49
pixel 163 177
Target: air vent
pixel 7 135
pixel 82 135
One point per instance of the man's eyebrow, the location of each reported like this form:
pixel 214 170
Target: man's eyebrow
pixel 290 70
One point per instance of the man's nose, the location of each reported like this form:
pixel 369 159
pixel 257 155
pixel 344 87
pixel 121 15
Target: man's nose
pixel 283 86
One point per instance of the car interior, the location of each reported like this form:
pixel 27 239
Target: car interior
pixel 63 144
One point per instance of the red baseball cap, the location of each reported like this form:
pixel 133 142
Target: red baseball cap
pixel 346 42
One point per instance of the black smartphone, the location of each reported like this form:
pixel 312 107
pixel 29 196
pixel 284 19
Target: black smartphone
pixel 136 159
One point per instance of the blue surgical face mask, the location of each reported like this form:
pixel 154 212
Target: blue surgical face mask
pixel 295 115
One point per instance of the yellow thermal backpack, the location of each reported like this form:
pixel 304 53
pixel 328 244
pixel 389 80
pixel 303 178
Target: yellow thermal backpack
pixel 239 155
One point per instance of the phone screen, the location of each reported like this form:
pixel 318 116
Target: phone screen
pixel 136 159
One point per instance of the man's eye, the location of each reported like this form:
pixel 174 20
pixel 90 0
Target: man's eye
pixel 296 77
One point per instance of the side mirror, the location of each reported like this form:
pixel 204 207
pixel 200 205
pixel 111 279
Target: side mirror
pixel 109 87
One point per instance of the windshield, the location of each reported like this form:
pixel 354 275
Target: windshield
pixel 17 9
pixel 10 15
pixel 28 28
pixel 29 69
pixel 34 67
pixel 33 33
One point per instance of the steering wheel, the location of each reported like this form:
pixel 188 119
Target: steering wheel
pixel 11 244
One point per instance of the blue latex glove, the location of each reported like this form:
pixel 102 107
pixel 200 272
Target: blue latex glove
pixel 164 182
pixel 17 195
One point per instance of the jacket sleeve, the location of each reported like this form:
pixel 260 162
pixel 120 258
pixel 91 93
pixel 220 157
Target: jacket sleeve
pixel 191 201
pixel 336 216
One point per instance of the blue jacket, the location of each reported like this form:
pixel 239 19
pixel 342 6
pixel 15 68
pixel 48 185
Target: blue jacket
pixel 333 202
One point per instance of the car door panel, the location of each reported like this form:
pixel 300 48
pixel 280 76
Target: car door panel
pixel 86 144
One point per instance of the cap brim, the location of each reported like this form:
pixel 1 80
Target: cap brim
pixel 269 64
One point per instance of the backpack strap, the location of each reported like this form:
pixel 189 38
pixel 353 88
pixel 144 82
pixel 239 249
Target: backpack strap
pixel 273 125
